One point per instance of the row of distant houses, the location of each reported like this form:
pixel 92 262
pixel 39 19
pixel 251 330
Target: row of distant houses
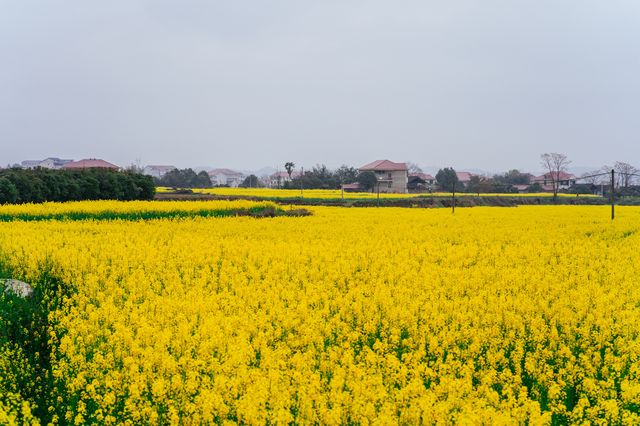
pixel 392 177
pixel 58 163
pixel 219 177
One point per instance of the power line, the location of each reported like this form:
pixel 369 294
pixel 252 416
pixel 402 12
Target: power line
pixel 592 176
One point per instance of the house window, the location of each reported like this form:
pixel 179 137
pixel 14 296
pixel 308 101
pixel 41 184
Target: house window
pixel 389 184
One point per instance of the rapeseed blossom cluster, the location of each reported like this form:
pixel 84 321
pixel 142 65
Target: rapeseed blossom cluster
pixel 390 315
pixel 14 408
pixel 106 209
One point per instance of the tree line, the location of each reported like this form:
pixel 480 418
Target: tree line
pixel 40 185
pixel 512 181
pixel 184 178
pixel 322 177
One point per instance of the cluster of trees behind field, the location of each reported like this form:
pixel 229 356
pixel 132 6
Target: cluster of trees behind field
pixel 39 185
pixel 499 183
pixel 185 178
pixel 322 177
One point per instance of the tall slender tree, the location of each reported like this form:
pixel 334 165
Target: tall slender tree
pixel 289 166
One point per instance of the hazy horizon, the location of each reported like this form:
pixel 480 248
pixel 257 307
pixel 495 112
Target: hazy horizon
pixel 246 85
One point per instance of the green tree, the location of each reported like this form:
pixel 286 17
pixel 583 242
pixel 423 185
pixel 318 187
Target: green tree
pixel 346 174
pixel 447 179
pixel 534 188
pixel 34 186
pixel 367 180
pixel 8 191
pixel 289 166
pixel 202 180
pixel 185 178
pixel 319 177
pixel 251 181
pixel 474 184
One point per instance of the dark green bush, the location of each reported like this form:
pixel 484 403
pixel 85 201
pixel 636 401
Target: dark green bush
pixel 38 185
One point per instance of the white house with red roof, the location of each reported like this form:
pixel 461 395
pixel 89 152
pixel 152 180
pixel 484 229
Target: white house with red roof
pixel 464 177
pixel 563 179
pixel 226 177
pixel 392 177
pixel 90 163
pixel 47 163
pixel 278 179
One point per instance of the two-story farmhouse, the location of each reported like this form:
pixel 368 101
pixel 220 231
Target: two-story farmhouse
pixel 392 177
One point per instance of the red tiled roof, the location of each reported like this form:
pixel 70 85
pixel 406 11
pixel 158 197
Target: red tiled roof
pixel 464 176
pixel 558 176
pixel 351 186
pixel 227 172
pixel 423 176
pixel 90 163
pixel 384 165
pixel 285 174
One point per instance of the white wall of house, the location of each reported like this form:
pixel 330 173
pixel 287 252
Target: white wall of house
pixel 224 179
pixel 392 181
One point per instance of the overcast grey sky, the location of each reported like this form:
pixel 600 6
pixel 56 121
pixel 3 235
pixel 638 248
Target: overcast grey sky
pixel 244 84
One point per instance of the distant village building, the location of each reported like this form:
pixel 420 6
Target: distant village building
pixel 157 171
pixel 90 163
pixel 522 188
pixel 226 177
pixel 392 177
pixel 464 177
pixel 421 182
pixel 278 179
pixel 30 164
pixel 564 180
pixel 47 163
pixel 54 163
pixel 352 187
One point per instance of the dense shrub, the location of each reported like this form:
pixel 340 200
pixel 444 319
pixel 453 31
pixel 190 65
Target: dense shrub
pixel 39 185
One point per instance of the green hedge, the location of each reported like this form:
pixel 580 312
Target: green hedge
pixel 39 185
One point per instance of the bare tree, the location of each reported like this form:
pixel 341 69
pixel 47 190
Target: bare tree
pixel 594 177
pixel 135 167
pixel 555 164
pixel 413 168
pixel 625 173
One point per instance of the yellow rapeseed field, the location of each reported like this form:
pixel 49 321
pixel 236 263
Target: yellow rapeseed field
pixel 122 209
pixel 337 193
pixel 370 315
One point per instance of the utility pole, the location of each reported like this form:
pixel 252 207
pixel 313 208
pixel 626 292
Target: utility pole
pixel 301 179
pixel 613 187
pixel 378 193
pixel 453 198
